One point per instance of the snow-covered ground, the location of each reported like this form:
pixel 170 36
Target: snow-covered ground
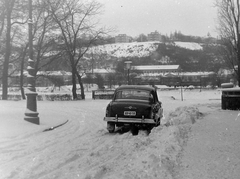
pixel 82 148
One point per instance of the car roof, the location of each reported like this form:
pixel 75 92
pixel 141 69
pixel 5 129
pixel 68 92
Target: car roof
pixel 148 88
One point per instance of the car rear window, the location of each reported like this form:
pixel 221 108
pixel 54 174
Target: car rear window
pixel 134 94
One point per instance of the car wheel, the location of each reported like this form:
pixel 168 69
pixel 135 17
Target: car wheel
pixel 134 130
pixel 158 122
pixel 149 129
pixel 110 127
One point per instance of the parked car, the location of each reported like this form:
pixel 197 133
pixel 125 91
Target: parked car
pixel 135 106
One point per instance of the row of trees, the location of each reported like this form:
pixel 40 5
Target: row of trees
pixel 229 31
pixel 178 36
pixel 58 27
pixel 68 28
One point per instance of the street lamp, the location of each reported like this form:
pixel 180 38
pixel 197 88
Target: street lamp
pixel 31 114
pixel 181 84
pixel 128 66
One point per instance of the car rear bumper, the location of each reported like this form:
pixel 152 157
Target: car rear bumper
pixel 129 120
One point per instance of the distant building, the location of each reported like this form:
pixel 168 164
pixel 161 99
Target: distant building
pixel 154 36
pixel 44 78
pixel 122 38
pixel 100 71
pixel 152 74
pixel 157 70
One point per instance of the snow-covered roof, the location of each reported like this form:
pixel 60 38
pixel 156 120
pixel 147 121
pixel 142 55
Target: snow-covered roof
pixel 54 73
pixel 101 70
pixel 156 67
pixel 197 73
pixel 46 73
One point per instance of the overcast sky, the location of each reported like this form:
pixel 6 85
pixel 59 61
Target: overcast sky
pixel 133 17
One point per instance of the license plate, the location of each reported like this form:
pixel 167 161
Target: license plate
pixel 129 113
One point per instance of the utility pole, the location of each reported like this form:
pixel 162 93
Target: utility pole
pixel 31 114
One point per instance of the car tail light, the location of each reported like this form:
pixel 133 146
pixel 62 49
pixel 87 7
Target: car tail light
pixel 107 112
pixel 151 115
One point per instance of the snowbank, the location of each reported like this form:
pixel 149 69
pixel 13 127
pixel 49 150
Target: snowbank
pixel 183 115
pixel 154 156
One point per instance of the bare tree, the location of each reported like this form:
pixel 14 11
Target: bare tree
pixel 229 30
pixel 76 18
pixel 45 49
pixel 43 39
pixel 9 8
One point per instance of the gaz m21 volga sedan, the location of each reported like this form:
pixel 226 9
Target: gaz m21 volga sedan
pixel 135 106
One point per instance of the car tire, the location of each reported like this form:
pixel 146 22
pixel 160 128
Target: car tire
pixel 134 130
pixel 158 122
pixel 149 129
pixel 110 127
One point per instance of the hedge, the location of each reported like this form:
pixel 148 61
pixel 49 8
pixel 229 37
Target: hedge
pixel 47 97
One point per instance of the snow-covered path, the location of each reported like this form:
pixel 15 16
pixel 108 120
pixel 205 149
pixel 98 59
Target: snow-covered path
pixel 39 153
pixel 213 147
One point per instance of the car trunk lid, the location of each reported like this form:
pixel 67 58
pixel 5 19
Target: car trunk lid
pixel 131 109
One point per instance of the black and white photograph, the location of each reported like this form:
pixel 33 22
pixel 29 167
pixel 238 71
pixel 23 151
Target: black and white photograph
pixel 119 89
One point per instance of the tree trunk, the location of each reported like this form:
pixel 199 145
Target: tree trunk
pixel 238 60
pixel 74 88
pixel 21 72
pixel 5 76
pixel 238 72
pixel 81 85
pixel 21 80
pixel 7 55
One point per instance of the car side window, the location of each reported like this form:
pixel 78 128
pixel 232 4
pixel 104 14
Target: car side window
pixel 118 95
pixel 155 96
pixel 151 98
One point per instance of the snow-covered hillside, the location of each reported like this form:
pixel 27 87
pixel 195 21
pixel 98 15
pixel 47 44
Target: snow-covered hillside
pixel 189 45
pixel 136 49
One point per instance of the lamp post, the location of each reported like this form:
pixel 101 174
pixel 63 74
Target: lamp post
pixel 31 114
pixel 181 84
pixel 128 66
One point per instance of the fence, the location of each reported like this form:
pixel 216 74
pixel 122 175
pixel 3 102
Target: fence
pixel 43 97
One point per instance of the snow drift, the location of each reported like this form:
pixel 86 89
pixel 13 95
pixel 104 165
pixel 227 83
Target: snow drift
pixel 154 156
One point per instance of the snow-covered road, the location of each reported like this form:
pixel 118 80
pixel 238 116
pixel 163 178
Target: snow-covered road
pixel 82 148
